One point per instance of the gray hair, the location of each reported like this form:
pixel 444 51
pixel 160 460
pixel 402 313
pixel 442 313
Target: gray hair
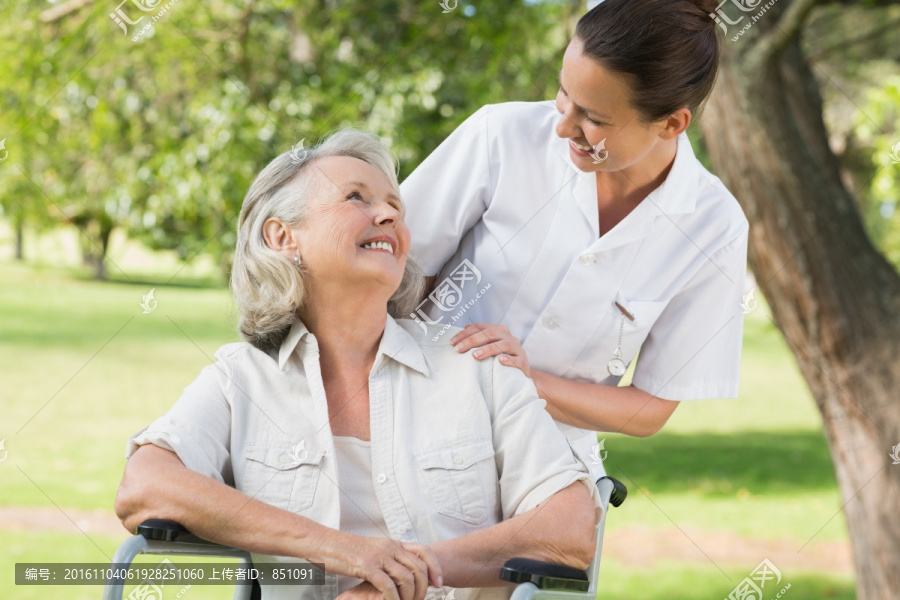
pixel 268 288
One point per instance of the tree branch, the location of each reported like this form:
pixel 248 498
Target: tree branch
pixel 790 23
pixel 864 4
pixel 873 34
pixel 58 12
pixel 785 30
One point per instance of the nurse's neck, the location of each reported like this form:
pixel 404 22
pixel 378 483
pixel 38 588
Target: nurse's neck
pixel 635 182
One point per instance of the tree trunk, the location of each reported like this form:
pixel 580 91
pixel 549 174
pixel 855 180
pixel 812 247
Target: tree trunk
pixel 100 265
pixel 95 233
pixel 833 295
pixel 20 238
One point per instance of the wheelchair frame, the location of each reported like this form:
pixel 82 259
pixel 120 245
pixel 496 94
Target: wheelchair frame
pixel 537 580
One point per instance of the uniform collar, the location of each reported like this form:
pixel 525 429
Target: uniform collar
pixel 396 343
pixel 677 194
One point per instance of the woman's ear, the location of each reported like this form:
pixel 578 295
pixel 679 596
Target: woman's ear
pixel 279 237
pixel 675 124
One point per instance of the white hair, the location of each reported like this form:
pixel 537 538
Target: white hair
pixel 268 288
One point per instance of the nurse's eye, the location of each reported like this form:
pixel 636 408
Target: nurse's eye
pixel 593 122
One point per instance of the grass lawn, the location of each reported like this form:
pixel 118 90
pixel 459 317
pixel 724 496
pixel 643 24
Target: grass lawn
pixel 83 369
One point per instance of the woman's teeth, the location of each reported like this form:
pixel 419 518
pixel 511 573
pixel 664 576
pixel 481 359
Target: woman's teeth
pixel 379 246
pixel 582 148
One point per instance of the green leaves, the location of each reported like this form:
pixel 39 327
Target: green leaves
pixel 163 135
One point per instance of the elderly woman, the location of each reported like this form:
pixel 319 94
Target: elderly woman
pixel 339 435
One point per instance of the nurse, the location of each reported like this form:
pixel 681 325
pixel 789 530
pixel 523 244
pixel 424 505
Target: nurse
pixel 571 235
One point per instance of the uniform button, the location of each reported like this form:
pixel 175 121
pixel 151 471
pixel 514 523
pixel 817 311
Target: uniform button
pixel 457 460
pixel 551 322
pixel 587 259
pixel 382 478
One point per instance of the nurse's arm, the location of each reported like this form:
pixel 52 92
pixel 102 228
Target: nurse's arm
pixel 559 530
pixel 599 407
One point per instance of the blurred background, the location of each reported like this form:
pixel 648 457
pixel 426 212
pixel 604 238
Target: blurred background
pixel 126 152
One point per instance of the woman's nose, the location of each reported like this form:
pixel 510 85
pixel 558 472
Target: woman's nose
pixel 384 213
pixel 566 128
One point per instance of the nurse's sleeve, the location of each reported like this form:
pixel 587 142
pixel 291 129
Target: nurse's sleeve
pixel 693 351
pixel 198 426
pixel 448 192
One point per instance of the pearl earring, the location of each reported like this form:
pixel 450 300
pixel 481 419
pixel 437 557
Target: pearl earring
pixel 297 259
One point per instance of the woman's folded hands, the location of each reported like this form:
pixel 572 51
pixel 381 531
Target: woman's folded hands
pixel 390 569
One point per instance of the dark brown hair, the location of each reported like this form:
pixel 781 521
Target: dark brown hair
pixel 667 49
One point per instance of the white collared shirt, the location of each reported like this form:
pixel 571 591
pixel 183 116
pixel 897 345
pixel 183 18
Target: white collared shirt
pixel 457 444
pixel 511 225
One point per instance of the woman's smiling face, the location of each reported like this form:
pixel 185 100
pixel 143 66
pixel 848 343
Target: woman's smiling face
pixel 596 113
pixel 353 230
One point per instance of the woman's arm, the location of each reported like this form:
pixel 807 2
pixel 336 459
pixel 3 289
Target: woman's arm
pixel 599 407
pixel 560 530
pixel 156 484
pixel 591 406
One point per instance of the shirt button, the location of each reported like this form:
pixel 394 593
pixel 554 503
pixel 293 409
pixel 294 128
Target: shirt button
pixel 551 322
pixel 457 460
pixel 382 478
pixel 587 259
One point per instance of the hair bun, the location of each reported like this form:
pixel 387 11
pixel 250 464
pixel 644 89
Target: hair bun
pixel 707 6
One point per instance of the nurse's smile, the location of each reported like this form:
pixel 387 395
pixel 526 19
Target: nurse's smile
pixel 580 149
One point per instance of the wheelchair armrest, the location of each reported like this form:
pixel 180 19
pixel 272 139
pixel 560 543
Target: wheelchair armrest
pixel 618 493
pixel 551 576
pixel 544 575
pixel 164 530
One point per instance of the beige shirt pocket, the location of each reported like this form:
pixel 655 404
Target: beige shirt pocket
pixel 454 475
pixel 282 475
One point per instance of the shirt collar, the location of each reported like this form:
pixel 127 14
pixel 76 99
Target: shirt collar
pixel 677 194
pixel 396 343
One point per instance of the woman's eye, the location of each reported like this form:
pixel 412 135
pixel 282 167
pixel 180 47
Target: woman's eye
pixel 354 196
pixel 593 122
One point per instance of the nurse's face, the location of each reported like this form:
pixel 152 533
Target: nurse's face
pixel 596 113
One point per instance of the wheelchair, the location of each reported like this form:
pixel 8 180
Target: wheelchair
pixel 537 580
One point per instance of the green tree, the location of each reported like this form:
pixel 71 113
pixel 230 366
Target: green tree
pixel 832 294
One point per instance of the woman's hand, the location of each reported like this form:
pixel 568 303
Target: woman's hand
pixel 397 570
pixel 363 591
pixel 492 340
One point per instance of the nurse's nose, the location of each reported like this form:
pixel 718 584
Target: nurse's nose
pixel 566 127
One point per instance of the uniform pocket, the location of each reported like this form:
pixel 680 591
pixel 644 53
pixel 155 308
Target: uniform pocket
pixel 454 475
pixel 645 313
pixel 591 364
pixel 282 475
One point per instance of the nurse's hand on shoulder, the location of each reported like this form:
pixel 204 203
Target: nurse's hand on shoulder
pixel 492 340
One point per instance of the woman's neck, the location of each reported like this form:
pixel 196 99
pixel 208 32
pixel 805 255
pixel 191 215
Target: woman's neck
pixel 641 178
pixel 348 328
